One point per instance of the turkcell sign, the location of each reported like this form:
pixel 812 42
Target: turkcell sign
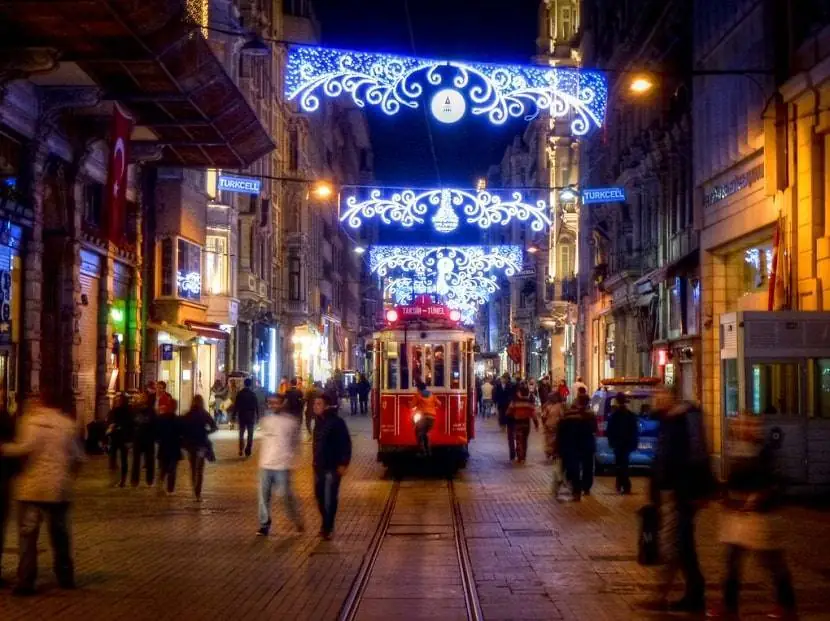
pixel 243 185
pixel 603 195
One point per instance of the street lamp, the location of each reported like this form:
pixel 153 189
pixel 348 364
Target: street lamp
pixel 640 85
pixel 359 250
pixel 533 249
pixel 322 189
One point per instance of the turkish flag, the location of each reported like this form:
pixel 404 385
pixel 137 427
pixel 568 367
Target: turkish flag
pixel 116 196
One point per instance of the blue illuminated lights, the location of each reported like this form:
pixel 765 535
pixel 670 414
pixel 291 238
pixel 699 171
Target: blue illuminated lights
pixel 445 261
pixel 499 92
pixel 409 207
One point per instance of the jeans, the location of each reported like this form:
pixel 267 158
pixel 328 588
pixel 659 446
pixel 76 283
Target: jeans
pixel 621 466
pixel 146 450
pixel 246 446
pixel 364 405
pixel 30 515
pixel 579 470
pixel 281 479
pixel 353 405
pixel 422 429
pixel 327 490
pixel 196 457
pixel 487 408
pixel 686 560
pixel 521 433
pixel 773 561
pixel 511 437
pixel 167 472
pixel 119 449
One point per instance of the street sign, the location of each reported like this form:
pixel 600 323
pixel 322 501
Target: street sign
pixel 603 195
pixel 242 185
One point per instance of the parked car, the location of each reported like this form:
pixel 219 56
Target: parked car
pixel 639 392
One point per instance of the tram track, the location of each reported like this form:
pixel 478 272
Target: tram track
pixel 366 574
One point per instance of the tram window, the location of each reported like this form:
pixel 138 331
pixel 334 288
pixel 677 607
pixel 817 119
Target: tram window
pixel 404 368
pixel 818 385
pixel 392 365
pixel 428 370
pixel 455 366
pixel 440 359
pixel 417 364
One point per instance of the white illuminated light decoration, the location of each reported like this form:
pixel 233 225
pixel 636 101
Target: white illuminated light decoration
pixel 499 92
pixel 190 283
pixel 409 207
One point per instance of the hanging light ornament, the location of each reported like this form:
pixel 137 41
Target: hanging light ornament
pixel 445 220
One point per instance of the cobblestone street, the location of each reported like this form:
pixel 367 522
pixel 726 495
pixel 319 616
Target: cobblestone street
pixel 144 556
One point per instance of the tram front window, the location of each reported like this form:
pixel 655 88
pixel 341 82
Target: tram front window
pixel 392 366
pixel 438 354
pixel 455 366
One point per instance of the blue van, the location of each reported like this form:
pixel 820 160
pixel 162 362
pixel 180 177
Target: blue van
pixel 640 398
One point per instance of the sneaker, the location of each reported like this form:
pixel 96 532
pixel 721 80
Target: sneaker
pixel 263 532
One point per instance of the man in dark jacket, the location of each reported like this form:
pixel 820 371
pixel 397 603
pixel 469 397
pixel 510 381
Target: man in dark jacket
pixel 144 437
pixel 7 466
pixel 332 452
pixel 246 407
pixel 502 397
pixel 294 399
pixel 576 443
pixel 363 390
pixel 121 430
pixel 622 432
pixel 353 397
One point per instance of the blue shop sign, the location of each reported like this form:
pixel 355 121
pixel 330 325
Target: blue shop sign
pixel 603 195
pixel 166 351
pixel 243 185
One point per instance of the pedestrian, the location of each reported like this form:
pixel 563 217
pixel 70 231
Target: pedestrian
pixel 563 390
pixel 486 398
pixel 552 412
pixel 169 442
pixel 144 437
pixel 479 396
pixel 261 398
pixel 120 430
pixel 164 400
pixel 681 480
pixel 279 447
pixel 575 443
pixel 363 390
pixel 48 442
pixel 503 395
pixel 533 387
pixel 246 408
pixel 750 524
pixel 197 425
pixel 8 467
pixel 284 385
pixel 623 431
pixel 425 408
pixel 353 397
pixel 522 410
pixel 579 386
pixel 332 452
pixel 219 393
pixel 315 389
pixel 545 389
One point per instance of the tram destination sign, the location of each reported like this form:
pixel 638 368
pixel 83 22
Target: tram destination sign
pixel 432 311
pixel 592 196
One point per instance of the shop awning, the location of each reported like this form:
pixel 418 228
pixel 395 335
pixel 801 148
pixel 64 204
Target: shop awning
pixel 152 57
pixel 179 333
pixel 207 330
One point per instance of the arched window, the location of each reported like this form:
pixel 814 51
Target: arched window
pixel 565 259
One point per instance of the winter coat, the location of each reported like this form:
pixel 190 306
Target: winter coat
pixel 503 395
pixel 196 426
pixel 575 435
pixel 331 446
pixel 623 430
pixel 363 389
pixel 246 406
pixel 122 424
pixel 279 441
pixel 49 442
pixel 169 437
pixel 523 409
pixel 294 401
pixel 144 422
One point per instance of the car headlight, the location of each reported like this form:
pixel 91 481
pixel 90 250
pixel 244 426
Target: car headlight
pixel 416 417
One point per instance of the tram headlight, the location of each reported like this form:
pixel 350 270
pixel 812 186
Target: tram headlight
pixel 416 417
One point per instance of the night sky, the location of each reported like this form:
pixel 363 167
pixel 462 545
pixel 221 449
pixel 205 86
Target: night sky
pixel 454 29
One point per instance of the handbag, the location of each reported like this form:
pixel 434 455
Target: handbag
pixel 648 545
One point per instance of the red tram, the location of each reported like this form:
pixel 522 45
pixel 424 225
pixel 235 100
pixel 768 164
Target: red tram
pixel 424 342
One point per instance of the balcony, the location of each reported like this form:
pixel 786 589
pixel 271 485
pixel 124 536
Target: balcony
pixel 561 290
pixel 296 308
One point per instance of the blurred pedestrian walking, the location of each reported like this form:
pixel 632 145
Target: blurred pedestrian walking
pixel 522 410
pixel 552 412
pixel 246 408
pixel 169 441
pixel 197 425
pixel 48 442
pixel 279 446
pixel 681 480
pixel 623 432
pixel 120 430
pixel 502 396
pixel 219 392
pixel 576 443
pixel 8 466
pixel 353 397
pixel 144 437
pixel 563 390
pixel 363 390
pixel 750 524
pixel 487 397
pixel 332 453
pixel 315 389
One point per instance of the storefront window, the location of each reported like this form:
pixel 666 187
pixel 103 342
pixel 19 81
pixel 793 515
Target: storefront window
pixel 730 387
pixel 692 307
pixel 775 389
pixel 217 264
pixel 167 267
pixel 675 312
pixel 189 272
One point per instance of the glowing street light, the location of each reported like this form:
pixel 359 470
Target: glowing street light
pixel 533 249
pixel 641 85
pixel 322 189
pixel 359 249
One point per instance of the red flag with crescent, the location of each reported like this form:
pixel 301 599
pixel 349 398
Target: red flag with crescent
pixel 116 201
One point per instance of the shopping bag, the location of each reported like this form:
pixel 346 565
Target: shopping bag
pixel 648 549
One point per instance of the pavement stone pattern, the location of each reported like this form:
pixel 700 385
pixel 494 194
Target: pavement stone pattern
pixel 144 556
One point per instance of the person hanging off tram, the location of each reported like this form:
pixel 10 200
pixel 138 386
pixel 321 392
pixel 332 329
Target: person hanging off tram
pixel 425 407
